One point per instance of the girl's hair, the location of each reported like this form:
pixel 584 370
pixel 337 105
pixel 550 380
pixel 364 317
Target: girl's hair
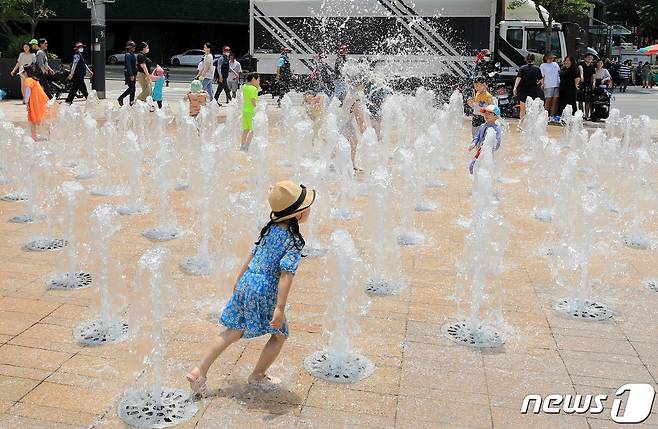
pixel 29 71
pixel 572 61
pixel 210 46
pixel 251 76
pixel 530 58
pixel 293 228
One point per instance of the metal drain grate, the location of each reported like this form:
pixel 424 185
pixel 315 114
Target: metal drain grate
pixel 544 216
pixel 24 218
pixel 344 214
pixel 586 310
pixel 161 234
pixel 67 282
pixel 196 266
pixel 652 284
pixel 348 370
pixel 482 336
pixel 636 243
pixel 426 206
pixel 314 251
pixel 141 409
pixel 95 332
pixel 15 196
pixel 381 286
pixel 410 238
pixel 44 244
pixel 132 210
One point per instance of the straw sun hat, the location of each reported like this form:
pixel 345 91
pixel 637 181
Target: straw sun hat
pixel 287 199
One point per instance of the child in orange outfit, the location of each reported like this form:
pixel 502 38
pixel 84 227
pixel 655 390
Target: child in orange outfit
pixel 35 99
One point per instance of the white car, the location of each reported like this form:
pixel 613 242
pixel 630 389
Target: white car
pixel 116 58
pixel 189 58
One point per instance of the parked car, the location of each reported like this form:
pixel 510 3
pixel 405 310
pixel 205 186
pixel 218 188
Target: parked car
pixel 116 58
pixel 189 58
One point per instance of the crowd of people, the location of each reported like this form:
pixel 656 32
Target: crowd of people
pixel 567 84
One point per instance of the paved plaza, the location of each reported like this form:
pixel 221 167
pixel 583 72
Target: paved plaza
pixel 422 379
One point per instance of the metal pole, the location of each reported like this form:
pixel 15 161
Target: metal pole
pixel 98 46
pixel 251 28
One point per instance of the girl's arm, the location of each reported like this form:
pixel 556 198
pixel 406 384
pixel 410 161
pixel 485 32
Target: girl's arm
pixel 285 281
pixel 13 71
pixel 28 92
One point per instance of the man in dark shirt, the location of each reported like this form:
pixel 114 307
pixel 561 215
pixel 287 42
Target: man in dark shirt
pixel 129 72
pixel 587 82
pixel 43 70
pixel 527 82
pixel 222 66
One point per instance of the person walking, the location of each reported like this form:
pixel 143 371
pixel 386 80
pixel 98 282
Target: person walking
pixel 569 82
pixel 25 58
pixel 624 75
pixel 222 68
pixel 129 73
pixel 550 73
pixel 79 70
pixel 646 71
pixel 527 82
pixel 638 74
pixel 283 74
pixel 587 82
pixel 339 84
pixel 207 69
pixel 144 69
pixel 43 70
pixel 234 70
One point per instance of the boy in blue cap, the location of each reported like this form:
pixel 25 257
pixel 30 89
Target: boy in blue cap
pixel 491 113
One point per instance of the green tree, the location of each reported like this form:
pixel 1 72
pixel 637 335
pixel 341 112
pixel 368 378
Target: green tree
pixel 554 8
pixel 18 15
pixel 647 12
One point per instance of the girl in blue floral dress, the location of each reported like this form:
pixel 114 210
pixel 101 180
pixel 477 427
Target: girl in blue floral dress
pixel 259 297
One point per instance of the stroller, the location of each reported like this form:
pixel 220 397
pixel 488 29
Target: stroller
pixel 60 83
pixel 599 97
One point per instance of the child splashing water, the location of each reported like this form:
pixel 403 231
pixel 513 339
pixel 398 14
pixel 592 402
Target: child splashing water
pixel 491 114
pixel 259 297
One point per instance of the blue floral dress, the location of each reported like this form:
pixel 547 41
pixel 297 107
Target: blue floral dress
pixel 251 307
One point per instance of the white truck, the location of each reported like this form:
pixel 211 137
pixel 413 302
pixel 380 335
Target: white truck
pixel 416 38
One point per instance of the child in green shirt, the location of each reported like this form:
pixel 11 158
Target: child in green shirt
pixel 250 97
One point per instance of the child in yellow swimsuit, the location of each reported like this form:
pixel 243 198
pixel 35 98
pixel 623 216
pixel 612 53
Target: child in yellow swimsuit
pixel 481 99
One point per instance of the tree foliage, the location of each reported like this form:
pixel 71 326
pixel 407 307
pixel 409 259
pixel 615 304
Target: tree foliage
pixel 554 8
pixel 640 13
pixel 21 17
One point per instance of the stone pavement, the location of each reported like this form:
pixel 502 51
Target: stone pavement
pixel 422 379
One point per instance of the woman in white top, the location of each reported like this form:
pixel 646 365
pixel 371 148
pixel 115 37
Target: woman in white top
pixel 550 71
pixel 25 58
pixel 206 69
pixel 602 75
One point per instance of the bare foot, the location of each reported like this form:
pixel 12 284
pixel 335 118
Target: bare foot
pixel 263 380
pixel 197 381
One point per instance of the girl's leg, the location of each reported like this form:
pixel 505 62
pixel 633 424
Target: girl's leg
pixel 33 130
pixel 267 357
pixel 226 338
pixel 521 110
pixel 554 106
